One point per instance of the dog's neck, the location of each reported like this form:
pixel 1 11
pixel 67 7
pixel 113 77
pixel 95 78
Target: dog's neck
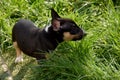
pixel 47 28
pixel 52 37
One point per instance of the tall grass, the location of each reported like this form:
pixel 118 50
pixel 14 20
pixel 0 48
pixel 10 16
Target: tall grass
pixel 96 57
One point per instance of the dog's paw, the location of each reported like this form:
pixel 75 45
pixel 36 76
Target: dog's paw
pixel 19 59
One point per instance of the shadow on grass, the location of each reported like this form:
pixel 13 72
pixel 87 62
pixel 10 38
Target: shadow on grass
pixel 16 71
pixel 22 72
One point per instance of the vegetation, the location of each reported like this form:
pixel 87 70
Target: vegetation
pixel 96 57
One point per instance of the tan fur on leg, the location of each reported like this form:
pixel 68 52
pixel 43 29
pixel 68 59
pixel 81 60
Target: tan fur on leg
pixel 19 57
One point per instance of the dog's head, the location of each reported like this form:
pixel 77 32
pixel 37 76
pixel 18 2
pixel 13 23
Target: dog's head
pixel 67 27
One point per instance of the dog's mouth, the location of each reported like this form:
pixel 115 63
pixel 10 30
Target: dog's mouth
pixel 79 37
pixel 73 37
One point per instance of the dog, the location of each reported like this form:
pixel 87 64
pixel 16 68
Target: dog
pixel 34 42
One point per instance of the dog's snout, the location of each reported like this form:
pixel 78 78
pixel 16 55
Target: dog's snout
pixel 84 33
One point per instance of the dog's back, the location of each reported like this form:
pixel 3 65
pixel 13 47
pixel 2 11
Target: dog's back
pixel 22 27
pixel 25 33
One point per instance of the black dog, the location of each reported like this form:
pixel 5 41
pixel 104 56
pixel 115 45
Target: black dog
pixel 34 42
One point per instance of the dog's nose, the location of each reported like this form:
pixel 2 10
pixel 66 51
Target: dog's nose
pixel 84 33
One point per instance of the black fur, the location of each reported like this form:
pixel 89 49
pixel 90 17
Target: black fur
pixel 34 41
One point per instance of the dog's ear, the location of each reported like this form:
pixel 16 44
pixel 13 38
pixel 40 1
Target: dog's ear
pixel 55 22
pixel 54 14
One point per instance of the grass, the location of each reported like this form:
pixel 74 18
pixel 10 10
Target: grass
pixel 96 57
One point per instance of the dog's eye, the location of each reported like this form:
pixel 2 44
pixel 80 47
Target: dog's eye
pixel 73 31
pixel 73 25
